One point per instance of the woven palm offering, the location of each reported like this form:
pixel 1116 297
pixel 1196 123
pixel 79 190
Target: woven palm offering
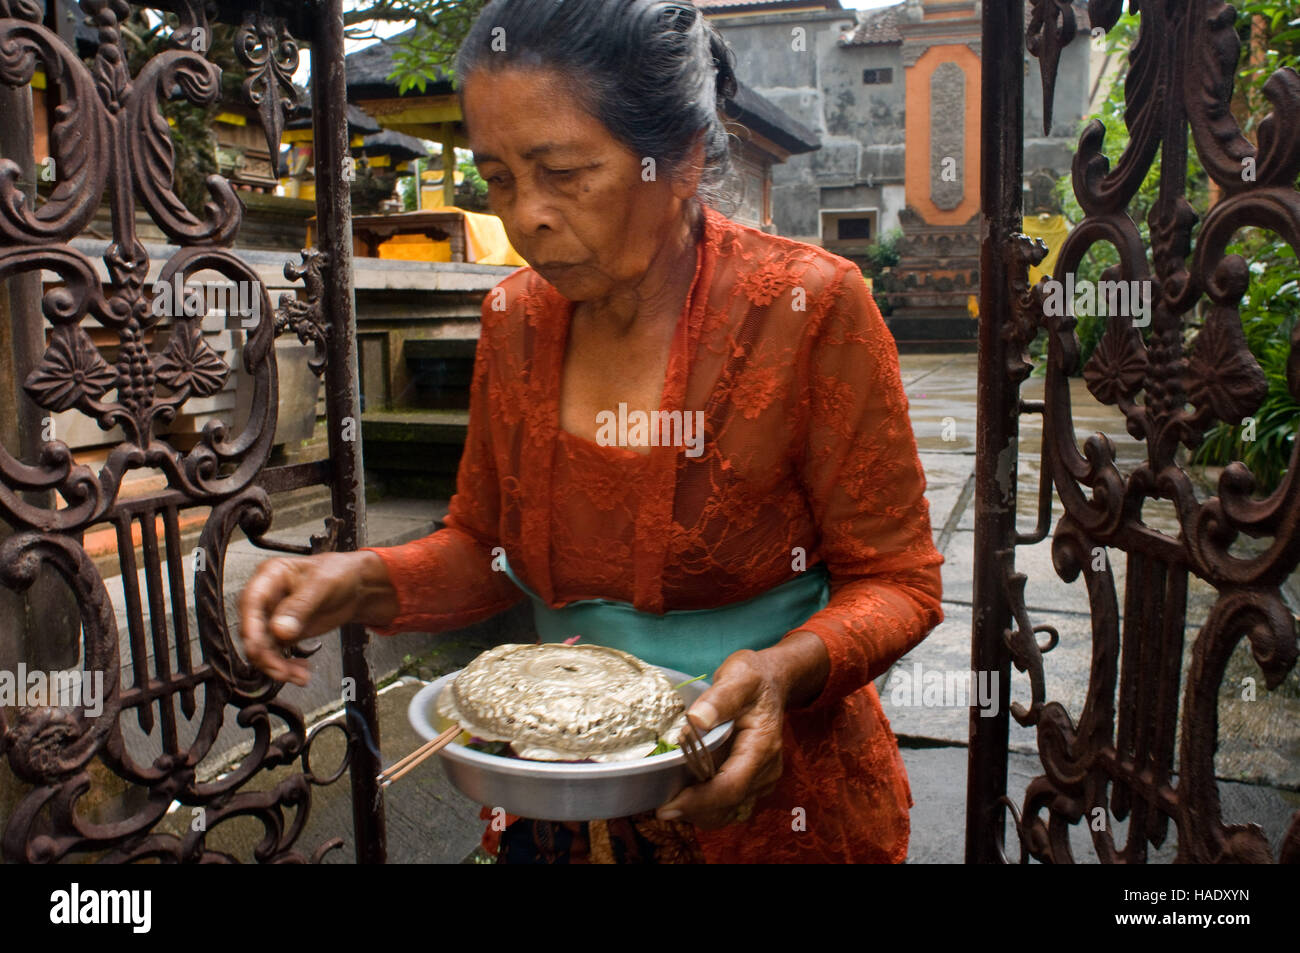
pixel 555 702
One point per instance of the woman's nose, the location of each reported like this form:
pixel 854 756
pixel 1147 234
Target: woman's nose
pixel 532 211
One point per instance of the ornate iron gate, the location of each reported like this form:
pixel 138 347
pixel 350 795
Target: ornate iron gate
pixel 1123 761
pixel 110 137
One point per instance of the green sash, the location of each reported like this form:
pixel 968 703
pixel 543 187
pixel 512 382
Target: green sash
pixel 692 641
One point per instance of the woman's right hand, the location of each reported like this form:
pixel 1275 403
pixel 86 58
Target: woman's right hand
pixel 291 599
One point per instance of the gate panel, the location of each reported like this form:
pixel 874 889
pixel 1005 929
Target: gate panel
pixel 110 139
pixel 1118 753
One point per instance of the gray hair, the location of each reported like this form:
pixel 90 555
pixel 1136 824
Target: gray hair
pixel 655 73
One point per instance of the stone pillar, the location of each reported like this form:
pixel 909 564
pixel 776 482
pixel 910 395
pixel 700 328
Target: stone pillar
pixel 939 271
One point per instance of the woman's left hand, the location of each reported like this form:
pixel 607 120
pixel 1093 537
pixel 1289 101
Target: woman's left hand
pixel 751 688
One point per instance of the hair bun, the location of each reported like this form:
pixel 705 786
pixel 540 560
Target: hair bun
pixel 724 60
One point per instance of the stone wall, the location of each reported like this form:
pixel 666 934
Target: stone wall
pixel 819 80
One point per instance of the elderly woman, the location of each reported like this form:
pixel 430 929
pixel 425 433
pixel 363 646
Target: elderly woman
pixel 785 549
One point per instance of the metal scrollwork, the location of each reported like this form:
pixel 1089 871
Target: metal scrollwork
pixel 303 315
pixel 1052 25
pixel 192 31
pixel 264 45
pixel 1119 756
pixel 110 141
pixel 21 10
pixel 1023 326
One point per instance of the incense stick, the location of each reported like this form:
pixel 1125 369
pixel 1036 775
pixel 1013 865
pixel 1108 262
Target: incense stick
pixel 426 750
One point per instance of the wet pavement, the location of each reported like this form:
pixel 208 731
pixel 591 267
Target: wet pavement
pixel 428 821
pixel 1259 738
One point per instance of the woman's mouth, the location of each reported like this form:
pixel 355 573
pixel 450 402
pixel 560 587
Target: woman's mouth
pixel 554 269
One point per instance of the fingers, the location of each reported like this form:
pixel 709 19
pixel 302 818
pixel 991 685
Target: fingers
pixel 742 692
pixel 736 685
pixel 265 635
pixel 754 765
pixel 299 615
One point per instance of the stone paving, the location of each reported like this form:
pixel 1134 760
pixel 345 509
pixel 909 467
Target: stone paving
pixel 1259 741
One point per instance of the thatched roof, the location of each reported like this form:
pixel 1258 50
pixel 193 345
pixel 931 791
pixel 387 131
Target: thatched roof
pixel 360 122
pixel 368 70
pixel 399 145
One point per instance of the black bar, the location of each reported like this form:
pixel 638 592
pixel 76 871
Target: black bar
pixel 997 425
pixel 342 403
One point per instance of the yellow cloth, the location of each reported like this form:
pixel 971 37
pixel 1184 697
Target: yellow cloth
pixel 1052 229
pixel 414 248
pixel 485 239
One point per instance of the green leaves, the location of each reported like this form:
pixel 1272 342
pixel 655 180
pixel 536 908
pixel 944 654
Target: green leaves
pixel 1269 31
pixel 1269 312
pixel 882 255
pixel 426 54
pixel 663 747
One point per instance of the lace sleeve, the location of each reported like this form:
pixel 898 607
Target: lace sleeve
pixel 445 580
pixel 865 486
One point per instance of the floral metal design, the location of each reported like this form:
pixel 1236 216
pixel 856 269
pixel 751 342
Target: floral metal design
pixel 303 315
pixel 1118 753
pixel 264 45
pixel 110 139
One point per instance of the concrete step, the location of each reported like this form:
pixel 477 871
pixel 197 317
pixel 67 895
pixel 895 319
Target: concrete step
pixel 413 453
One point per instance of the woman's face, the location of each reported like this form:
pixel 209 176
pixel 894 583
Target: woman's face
pixel 580 207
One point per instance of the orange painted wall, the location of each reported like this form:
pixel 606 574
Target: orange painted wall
pixel 40 125
pixel 917 164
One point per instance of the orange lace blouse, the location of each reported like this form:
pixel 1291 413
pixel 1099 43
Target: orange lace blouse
pixel 808 457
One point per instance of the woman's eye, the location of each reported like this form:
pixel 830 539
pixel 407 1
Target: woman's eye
pixel 562 173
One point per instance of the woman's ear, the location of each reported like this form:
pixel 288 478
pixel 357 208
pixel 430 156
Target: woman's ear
pixel 687 182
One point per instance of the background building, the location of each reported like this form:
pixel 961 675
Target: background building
pixel 765 135
pixel 894 96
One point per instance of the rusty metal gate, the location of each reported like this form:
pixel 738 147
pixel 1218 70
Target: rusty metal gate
pixel 1119 753
pixel 109 139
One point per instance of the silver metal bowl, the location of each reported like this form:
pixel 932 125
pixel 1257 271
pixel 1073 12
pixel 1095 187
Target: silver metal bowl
pixel 551 791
